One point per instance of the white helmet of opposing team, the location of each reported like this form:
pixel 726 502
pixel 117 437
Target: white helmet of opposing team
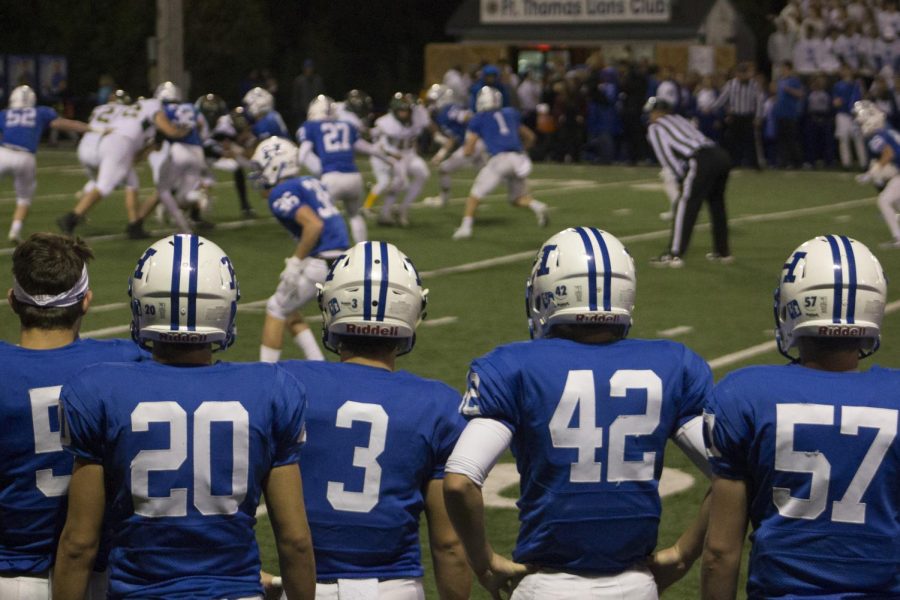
pixel 830 287
pixel 374 291
pixel 259 102
pixel 321 108
pixel 869 117
pixel 275 158
pixel 183 290
pixel 488 98
pixel 439 95
pixel 22 97
pixel 167 92
pixel 581 276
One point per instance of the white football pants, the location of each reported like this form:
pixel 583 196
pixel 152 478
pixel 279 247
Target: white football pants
pixel 513 167
pixel 889 205
pixel 635 584
pixel 21 165
pixel 370 589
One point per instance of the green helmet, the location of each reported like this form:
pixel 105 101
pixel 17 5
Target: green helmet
pixel 359 103
pixel 400 102
pixel 211 106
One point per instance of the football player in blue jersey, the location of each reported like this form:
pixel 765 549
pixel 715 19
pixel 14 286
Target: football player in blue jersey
pixel 21 127
pixel 378 438
pixel 504 136
pixel 50 295
pixel 180 449
pixel 808 452
pixel 884 169
pixel 265 121
pixel 587 414
pixel 304 208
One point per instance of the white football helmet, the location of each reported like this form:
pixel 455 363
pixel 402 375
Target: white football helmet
pixel 275 158
pixel 833 287
pixel 488 98
pixel 22 97
pixel 869 116
pixel 258 102
pixel 439 95
pixel 582 275
pixel 321 108
pixel 167 92
pixel 373 290
pixel 183 290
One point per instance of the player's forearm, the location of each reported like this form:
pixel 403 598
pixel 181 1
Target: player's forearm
pixel 719 575
pixel 308 239
pixel 70 125
pixel 74 560
pixel 690 542
pixel 451 571
pixel 298 569
pixel 465 506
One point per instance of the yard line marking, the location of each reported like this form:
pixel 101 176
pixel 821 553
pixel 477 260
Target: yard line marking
pixel 108 307
pixel 439 321
pixel 675 331
pixel 106 331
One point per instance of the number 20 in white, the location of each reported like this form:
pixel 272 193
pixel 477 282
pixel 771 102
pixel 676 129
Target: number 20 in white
pixel 580 395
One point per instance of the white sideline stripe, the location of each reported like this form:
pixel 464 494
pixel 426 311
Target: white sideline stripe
pixel 675 331
pixel 770 346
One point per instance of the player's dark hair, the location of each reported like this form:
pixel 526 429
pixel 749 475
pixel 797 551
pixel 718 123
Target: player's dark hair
pixel 361 345
pixel 49 264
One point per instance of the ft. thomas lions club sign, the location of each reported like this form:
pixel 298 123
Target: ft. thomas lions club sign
pixel 529 12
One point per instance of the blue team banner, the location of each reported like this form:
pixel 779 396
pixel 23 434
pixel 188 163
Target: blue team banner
pixel 21 69
pixel 53 74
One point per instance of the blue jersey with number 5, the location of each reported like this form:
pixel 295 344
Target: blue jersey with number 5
pixel 332 142
pixel 34 469
pixel 376 439
pixel 499 129
pixel 185 451
pixel 590 424
pixel 286 198
pixel 820 455
pixel 22 127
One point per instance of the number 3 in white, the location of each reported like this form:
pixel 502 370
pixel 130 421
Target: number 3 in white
pixel 364 457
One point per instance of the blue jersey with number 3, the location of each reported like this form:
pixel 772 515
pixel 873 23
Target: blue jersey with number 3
pixel 376 439
pixel 34 469
pixel 332 142
pixel 22 127
pixel 286 198
pixel 820 455
pixel 590 424
pixel 185 451
pixel 499 129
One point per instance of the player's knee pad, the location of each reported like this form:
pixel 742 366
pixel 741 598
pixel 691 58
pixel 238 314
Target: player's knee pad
pixel 274 307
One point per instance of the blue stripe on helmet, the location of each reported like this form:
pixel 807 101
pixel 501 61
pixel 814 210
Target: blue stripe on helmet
pixel 382 292
pixel 592 268
pixel 367 283
pixel 192 284
pixel 851 273
pixel 176 285
pixel 607 270
pixel 838 279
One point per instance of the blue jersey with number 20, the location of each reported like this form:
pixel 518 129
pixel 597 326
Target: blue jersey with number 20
pixel 286 198
pixel 820 455
pixel 590 424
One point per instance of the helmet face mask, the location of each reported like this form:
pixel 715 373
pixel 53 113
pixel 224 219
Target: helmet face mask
pixel 259 102
pixel 401 107
pixel 580 276
pixel 167 92
pixel 488 99
pixel 274 159
pixel 869 117
pixel 830 287
pixel 359 103
pixel 22 97
pixel 372 291
pixel 184 291
pixel 321 108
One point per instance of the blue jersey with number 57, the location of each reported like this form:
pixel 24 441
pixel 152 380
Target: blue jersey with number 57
pixel 22 128
pixel 332 142
pixel 286 198
pixel 185 451
pixel 590 424
pixel 34 469
pixel 376 440
pixel 185 115
pixel 499 129
pixel 820 455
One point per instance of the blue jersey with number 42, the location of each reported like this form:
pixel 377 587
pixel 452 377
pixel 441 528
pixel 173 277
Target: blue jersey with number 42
pixel 590 424
pixel 34 469
pixel 499 129
pixel 820 455
pixel 376 439
pixel 332 142
pixel 286 198
pixel 22 127
pixel 185 451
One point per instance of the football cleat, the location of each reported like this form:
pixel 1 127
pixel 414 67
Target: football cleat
pixel 718 258
pixel 667 260
pixel 462 233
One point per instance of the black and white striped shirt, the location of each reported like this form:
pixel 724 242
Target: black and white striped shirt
pixel 743 98
pixel 675 140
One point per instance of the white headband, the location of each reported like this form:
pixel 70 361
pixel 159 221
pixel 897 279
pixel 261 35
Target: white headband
pixel 67 298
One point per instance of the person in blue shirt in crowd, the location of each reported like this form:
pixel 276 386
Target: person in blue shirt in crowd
pixel 175 453
pixel 21 127
pixel 490 77
pixel 304 208
pixel 789 97
pixel 50 296
pixel 808 452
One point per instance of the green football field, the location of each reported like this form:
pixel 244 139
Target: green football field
pixel 477 286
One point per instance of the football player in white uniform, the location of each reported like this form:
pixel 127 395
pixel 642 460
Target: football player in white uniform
pixel 884 146
pixel 223 149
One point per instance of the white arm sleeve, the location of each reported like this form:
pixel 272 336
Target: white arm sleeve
pixel 480 445
pixel 689 438
pixel 308 158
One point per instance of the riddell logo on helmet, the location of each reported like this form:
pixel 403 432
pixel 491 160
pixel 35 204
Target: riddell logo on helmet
pixel 181 337
pixel 596 318
pixel 842 331
pixel 393 331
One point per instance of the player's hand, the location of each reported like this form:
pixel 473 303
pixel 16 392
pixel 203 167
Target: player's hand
pixel 271 585
pixel 668 566
pixel 293 270
pixel 502 576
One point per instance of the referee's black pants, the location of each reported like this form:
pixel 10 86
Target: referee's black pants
pixel 740 140
pixel 706 179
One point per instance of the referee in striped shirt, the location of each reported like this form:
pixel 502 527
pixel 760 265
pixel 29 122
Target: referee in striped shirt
pixel 742 99
pixel 702 169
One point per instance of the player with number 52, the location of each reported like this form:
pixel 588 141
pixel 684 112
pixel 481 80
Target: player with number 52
pixel 808 452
